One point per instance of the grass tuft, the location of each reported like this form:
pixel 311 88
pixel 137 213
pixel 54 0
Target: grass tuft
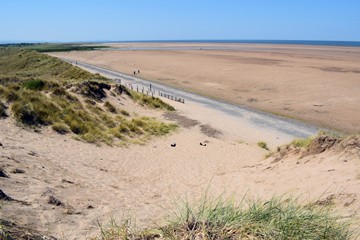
pixel 302 142
pixel 34 84
pixel 112 231
pixel 263 145
pixel 273 219
pixel 61 128
pixel 225 219
pixel 149 101
pixel 35 109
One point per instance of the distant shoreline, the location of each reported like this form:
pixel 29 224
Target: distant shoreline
pixel 275 42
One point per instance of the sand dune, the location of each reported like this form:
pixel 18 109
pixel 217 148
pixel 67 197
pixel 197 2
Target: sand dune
pixel 96 183
pixel 64 187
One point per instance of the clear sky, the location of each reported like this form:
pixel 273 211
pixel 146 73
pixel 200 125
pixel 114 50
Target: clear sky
pixel 123 20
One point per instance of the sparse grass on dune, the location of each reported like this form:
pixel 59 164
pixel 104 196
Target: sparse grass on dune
pixel 302 142
pixel 152 102
pixel 225 219
pixel 44 98
pixel 23 64
pixel 63 47
pixel 52 47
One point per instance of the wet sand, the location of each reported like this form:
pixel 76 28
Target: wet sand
pixel 316 84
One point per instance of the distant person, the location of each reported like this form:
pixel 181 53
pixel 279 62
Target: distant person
pixel 134 72
pixel 138 71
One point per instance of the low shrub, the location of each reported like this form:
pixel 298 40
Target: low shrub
pixel 34 84
pixel 263 145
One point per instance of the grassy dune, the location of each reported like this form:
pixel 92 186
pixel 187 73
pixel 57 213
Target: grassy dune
pixel 224 219
pixel 52 47
pixel 18 64
pixel 40 90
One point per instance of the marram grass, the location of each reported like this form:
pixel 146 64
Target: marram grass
pixel 36 88
pixel 275 219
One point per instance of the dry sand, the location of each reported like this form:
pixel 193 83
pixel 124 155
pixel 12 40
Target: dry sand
pixel 96 183
pixel 317 84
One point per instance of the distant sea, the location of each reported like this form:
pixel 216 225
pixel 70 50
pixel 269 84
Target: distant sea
pixel 292 42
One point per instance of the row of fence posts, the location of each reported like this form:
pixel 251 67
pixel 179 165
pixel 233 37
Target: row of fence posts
pixel 151 92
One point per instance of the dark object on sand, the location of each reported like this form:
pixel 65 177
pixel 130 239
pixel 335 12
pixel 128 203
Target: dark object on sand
pixel 5 197
pixel 17 170
pixel 173 144
pixel 203 144
pixel 3 174
pixel 54 201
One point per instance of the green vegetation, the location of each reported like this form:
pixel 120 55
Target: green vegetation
pixel 19 65
pixel 34 84
pixel 224 219
pixel 302 142
pixel 61 128
pixel 48 47
pixel 150 101
pixel 263 145
pixel 45 91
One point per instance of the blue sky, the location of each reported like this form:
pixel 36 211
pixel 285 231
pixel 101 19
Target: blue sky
pixel 96 20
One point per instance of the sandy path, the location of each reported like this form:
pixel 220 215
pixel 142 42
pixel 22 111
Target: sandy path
pixel 315 84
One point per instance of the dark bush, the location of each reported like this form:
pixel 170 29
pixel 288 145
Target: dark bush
pixel 34 84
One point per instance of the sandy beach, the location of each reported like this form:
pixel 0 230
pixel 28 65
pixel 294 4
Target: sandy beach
pixel 316 84
pixel 212 152
pixel 145 181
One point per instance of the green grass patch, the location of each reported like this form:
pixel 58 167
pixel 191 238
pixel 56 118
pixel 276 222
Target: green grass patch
pixel 66 113
pixel 16 63
pixel 64 47
pixel 226 219
pixel 45 91
pixel 34 84
pixel 61 128
pixel 149 101
pixel 263 145
pixel 51 47
pixel 35 109
pixel 302 142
